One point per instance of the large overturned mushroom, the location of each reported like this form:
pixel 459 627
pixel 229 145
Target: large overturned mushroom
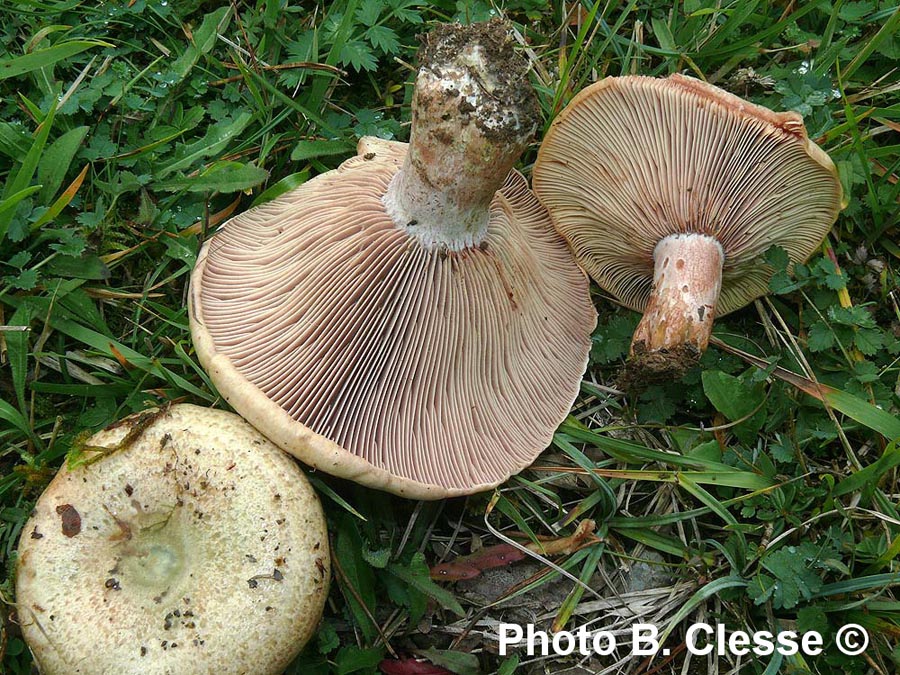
pixel 410 320
pixel 184 543
pixel 669 191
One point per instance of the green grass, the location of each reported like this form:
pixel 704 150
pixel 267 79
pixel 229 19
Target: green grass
pixel 129 132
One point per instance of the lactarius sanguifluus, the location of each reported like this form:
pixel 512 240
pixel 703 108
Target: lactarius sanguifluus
pixel 670 190
pixel 411 320
pixel 186 543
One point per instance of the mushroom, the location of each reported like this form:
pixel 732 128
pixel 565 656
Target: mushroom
pixel 669 191
pixel 411 320
pixel 184 542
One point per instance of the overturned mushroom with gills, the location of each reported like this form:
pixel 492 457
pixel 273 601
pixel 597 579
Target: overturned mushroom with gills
pixel 410 320
pixel 670 191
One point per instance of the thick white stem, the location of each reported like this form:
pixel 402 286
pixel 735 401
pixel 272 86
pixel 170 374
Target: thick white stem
pixel 687 278
pixel 471 122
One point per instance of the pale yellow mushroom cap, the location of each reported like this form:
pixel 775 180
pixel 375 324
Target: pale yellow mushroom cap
pixel 197 547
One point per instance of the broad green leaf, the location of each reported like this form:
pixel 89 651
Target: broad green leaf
pixel 417 575
pixel 204 39
pixel 663 35
pixel 215 140
pixel 17 353
pixel 777 257
pixel 85 267
pixel 356 573
pixel 319 148
pixel 738 401
pixel 352 659
pixel 19 65
pixel 377 559
pixel 220 177
pixel 796 576
pixel 286 184
pixel 14 199
pixel 63 200
pixel 460 663
pixel 14 140
pixel 820 337
pixel 22 178
pixel 56 160
pixel 870 475
pixel 613 339
pixel 730 395
pixel 369 11
pixel 868 340
pixel 327 637
pixel 14 417
pixel 865 413
pixel 383 38
pixel 358 54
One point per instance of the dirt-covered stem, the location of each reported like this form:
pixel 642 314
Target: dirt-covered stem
pixel 473 114
pixel 687 278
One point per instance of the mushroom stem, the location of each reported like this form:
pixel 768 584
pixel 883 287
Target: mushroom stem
pixel 473 115
pixel 678 319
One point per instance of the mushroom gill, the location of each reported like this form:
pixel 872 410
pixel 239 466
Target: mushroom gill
pixel 669 191
pixel 410 320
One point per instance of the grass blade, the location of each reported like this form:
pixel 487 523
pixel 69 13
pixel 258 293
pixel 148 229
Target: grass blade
pixel 23 176
pixel 853 407
pixel 703 594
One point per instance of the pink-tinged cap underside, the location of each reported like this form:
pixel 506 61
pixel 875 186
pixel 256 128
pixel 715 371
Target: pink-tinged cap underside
pixel 634 159
pixel 370 357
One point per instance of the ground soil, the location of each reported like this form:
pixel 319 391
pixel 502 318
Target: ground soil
pixel 507 70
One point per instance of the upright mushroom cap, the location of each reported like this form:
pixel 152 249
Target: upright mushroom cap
pixel 410 320
pixel 673 188
pixel 188 544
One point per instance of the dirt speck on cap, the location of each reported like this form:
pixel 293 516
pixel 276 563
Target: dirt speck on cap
pixel 71 519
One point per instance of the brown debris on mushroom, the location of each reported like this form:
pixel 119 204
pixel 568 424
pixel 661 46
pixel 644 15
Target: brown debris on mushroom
pixel 410 320
pixel 172 594
pixel 669 191
pixel 70 519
